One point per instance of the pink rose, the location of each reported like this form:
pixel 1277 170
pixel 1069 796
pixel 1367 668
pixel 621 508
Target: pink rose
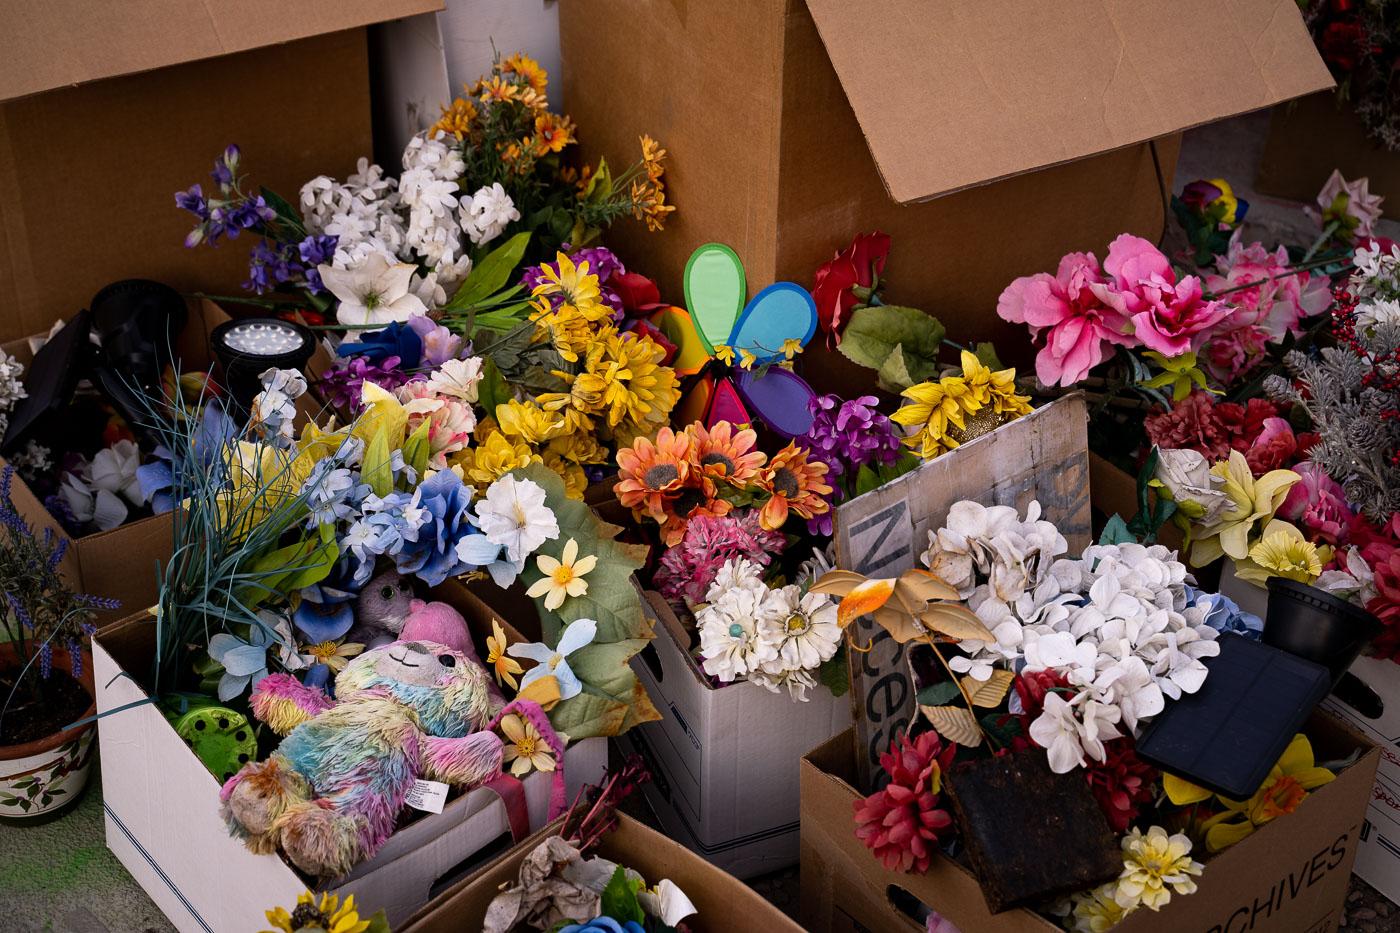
pixel 1318 506
pixel 1071 306
pixel 1276 304
pixel 1273 448
pixel 1168 316
pixel 1228 355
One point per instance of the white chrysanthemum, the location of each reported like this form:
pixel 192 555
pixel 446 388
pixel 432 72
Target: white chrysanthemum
pixel 804 628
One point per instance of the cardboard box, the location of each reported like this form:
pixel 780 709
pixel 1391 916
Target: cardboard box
pixel 1377 716
pixel 724 904
pixel 792 125
pixel 120 563
pixel 108 109
pixel 163 823
pixel 724 761
pixel 1289 877
pixel 1308 138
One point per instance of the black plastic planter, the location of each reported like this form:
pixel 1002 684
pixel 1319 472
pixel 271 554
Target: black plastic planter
pixel 1312 623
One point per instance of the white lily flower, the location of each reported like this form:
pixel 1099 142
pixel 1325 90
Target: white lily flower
pixel 373 292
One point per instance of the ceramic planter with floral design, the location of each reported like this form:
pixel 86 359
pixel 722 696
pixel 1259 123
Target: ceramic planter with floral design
pixel 40 778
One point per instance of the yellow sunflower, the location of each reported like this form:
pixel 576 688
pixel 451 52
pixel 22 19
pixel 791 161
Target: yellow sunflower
pixel 329 916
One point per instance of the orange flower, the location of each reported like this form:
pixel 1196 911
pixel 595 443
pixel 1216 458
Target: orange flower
pixel 652 154
pixel 533 99
pixel 498 89
pixel 795 484
pixel 553 135
pixel 529 69
pixel 653 473
pixel 456 119
pixel 722 453
pixel 695 500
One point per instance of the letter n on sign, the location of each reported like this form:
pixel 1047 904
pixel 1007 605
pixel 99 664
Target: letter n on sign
pixel 1044 456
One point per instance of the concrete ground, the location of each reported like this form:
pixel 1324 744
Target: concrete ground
pixel 60 877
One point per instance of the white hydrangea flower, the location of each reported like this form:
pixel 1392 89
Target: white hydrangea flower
pixel 487 213
pixel 1071 730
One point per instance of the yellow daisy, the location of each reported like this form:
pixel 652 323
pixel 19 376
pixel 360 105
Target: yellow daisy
pixel 524 746
pixel 562 577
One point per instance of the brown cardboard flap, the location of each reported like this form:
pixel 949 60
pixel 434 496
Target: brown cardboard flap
pixel 62 43
pixel 969 91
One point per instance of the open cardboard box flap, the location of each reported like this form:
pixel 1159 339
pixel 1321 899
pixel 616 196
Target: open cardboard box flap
pixel 984 90
pixel 62 43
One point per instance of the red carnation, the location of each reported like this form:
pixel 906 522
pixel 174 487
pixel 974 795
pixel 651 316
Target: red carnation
pixel 902 823
pixel 1243 424
pixel 637 292
pixel 1121 783
pixel 1192 423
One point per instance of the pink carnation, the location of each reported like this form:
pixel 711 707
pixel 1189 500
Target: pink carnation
pixel 451 420
pixel 687 569
pixel 1276 305
pixel 1317 504
pixel 1073 307
pixel 1229 355
pixel 1168 315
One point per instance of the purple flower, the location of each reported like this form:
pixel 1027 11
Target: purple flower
pixel 227 167
pixel 271 264
pixel 847 435
pixel 318 250
pixel 249 212
pixel 342 385
pixel 193 201
pixel 439 343
pixel 58 508
pixel 397 340
pixel 601 262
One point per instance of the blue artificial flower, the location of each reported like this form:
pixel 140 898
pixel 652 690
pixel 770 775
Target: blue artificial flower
pixel 244 662
pixel 193 201
pixel 432 554
pixel 386 526
pixel 333 494
pixel 555 661
pixel 397 339
pixel 226 169
pixel 270 264
pixel 603 925
pixel 326 611
pixel 157 478
pixel 1223 615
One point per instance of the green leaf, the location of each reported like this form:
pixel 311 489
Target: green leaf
pixel 492 389
pixel 491 274
pixel 285 212
pixel 376 469
pixel 417 448
pixel 600 184
pixel 894 375
pixel 379 923
pixel 939 694
pixel 619 900
pixel 1001 727
pixel 1116 532
pixel 987 355
pixel 866 480
pixel 833 673
pixel 878 332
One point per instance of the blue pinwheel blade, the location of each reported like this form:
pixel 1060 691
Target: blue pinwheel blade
pixel 783 311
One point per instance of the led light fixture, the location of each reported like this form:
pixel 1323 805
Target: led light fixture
pixel 249 347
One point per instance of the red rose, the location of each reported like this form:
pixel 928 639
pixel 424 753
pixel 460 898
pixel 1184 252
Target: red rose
pixel 1344 44
pixel 869 251
pixel 857 265
pixel 637 292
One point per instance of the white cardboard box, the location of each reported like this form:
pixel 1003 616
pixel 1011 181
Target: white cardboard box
pixel 1378 860
pixel 163 823
pixel 725 763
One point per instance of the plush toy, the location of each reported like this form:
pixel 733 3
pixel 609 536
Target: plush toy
pixel 381 609
pixel 440 623
pixel 330 794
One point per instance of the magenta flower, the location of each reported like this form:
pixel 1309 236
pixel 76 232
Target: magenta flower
pixel 687 570
pixel 1229 355
pixel 1071 307
pixel 342 385
pixel 1277 304
pixel 1168 315
pixel 1317 504
pixel 849 434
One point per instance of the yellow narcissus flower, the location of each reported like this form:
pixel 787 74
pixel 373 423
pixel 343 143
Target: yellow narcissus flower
pixel 1282 551
pixel 1154 866
pixel 562 577
pixel 330 916
pixel 1252 501
pixel 524 746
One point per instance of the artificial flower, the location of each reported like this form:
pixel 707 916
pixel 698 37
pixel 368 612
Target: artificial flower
pixel 450 420
pixel 1168 315
pixel 1252 501
pixel 524 746
pixel 487 213
pixel 1073 310
pixel 1096 910
pixel 834 287
pixel 505 667
pixel 795 484
pixel 848 434
pixel 1281 551
pixel 554 661
pixel 1273 449
pixel 374 293
pixel 806 628
pixel 493 457
pixel 457 379
pixel 438 345
pixel 244 661
pixel 1180 372
pixel 902 823
pixel 513 514
pixel 1317 504
pixel 1070 731
pixel 1215 200
pixel 397 339
pixel 731 643
pixel 666 901
pixel 725 454
pixel 652 473
pixel 687 569
pixel 333 654
pixel 114 469
pixel 343 386
pixel 1348 204
pixel 1281 299
pixel 1155 866
pixel 563 576
pixel 1232 354
pixel 935 406
pixel 1121 783
pixel 329 916
pixel 1184 476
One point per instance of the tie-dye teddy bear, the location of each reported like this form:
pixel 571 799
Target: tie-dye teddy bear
pixel 331 792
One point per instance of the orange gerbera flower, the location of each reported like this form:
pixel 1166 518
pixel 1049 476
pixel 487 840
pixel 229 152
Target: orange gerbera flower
pixel 652 473
pixel 725 454
pixel 527 68
pixel 498 89
pixel 553 134
pixel 795 484
pixel 695 500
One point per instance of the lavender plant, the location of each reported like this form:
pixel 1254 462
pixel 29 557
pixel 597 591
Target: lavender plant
pixel 39 611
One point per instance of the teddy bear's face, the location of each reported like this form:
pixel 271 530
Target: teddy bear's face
pixel 445 688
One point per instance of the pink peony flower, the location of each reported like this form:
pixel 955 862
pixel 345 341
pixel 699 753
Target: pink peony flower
pixel 1072 306
pixel 451 420
pixel 1350 203
pixel 1168 315
pixel 1229 355
pixel 1317 504
pixel 1277 304
pixel 1274 448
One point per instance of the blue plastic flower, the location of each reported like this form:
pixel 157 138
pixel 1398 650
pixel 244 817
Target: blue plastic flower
pixel 244 662
pixel 386 526
pixel 158 477
pixel 432 554
pixel 398 339
pixel 327 610
pixel 1223 615
pixel 603 925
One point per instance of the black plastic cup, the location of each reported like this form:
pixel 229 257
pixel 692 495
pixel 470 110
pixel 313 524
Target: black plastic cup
pixel 1313 624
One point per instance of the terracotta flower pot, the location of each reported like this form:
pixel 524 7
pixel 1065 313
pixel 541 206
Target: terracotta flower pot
pixel 40 778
